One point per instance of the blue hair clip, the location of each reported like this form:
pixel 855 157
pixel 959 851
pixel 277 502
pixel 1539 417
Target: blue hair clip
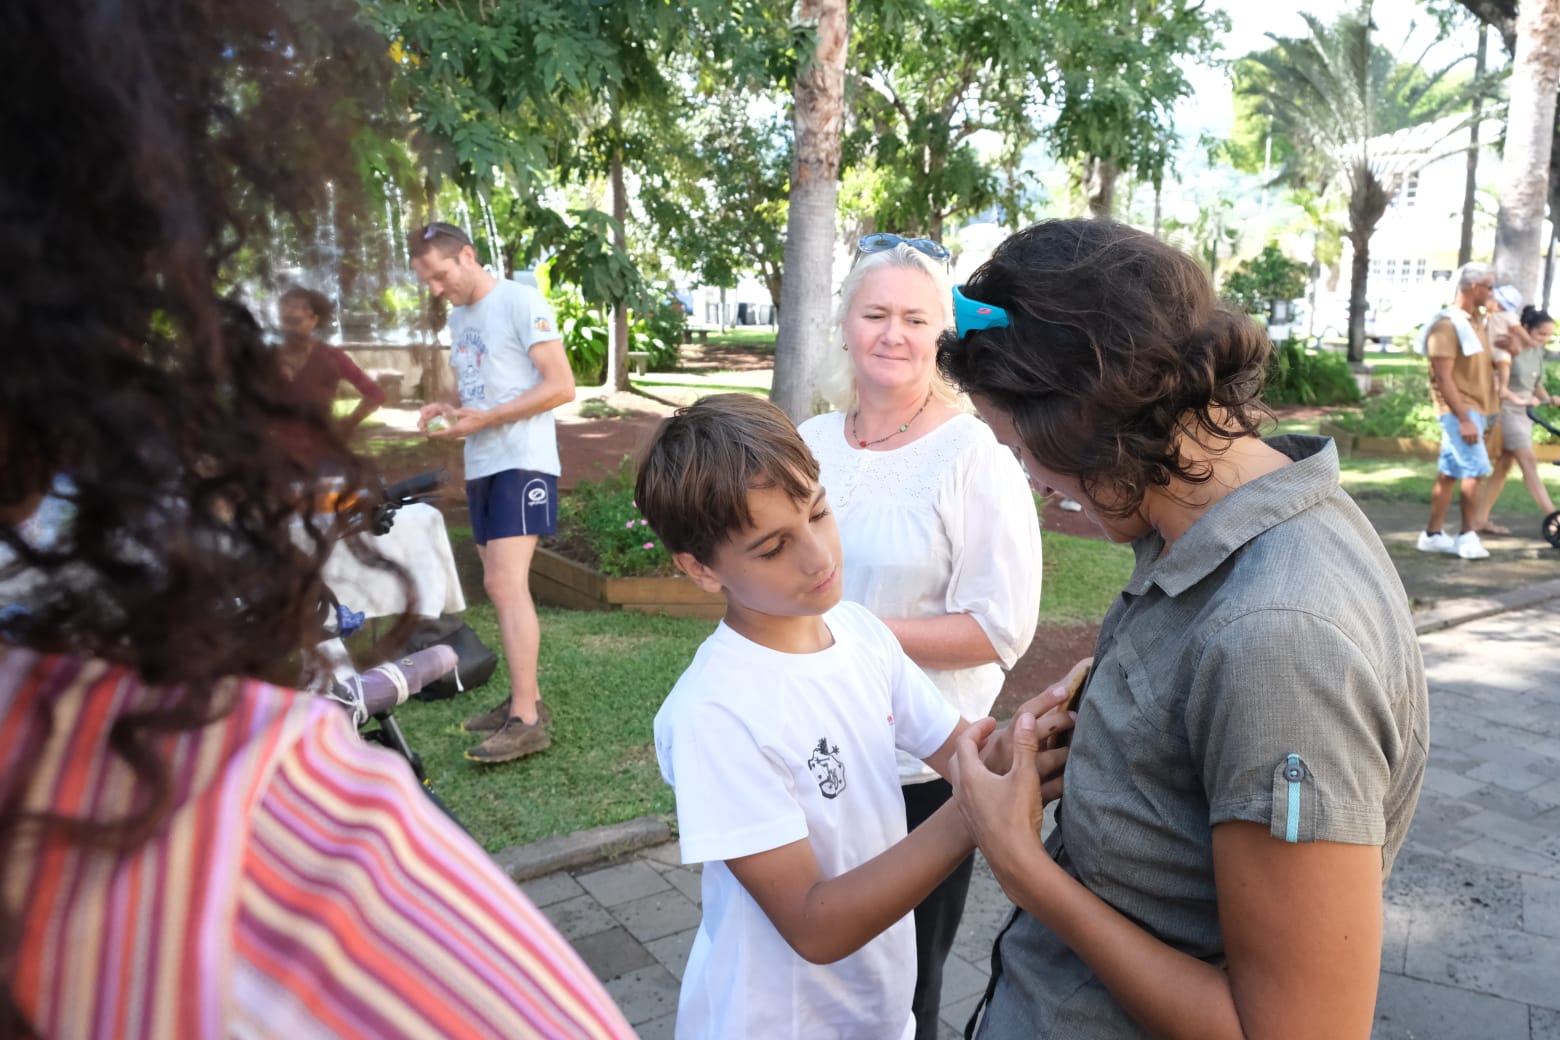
pixel 970 315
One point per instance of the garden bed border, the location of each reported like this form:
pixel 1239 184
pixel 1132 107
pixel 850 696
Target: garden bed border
pixel 561 582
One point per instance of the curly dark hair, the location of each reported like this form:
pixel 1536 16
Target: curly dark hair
pixel 143 139
pixel 1117 349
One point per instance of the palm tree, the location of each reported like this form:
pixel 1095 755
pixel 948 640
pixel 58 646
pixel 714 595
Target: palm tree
pixel 1530 132
pixel 1334 94
pixel 819 118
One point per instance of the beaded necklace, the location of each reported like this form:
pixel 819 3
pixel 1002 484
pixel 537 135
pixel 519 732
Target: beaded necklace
pixel 902 427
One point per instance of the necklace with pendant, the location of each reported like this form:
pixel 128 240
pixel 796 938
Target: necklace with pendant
pixel 902 426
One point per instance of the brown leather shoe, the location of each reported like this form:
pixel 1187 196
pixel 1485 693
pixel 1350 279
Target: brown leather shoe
pixel 515 739
pixel 492 720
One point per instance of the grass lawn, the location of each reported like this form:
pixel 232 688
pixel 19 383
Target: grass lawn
pixel 603 676
pixel 714 383
pixel 1081 577
pixel 1409 480
pixel 761 338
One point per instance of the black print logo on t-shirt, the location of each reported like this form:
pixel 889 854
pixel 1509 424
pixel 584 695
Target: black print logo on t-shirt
pixel 827 769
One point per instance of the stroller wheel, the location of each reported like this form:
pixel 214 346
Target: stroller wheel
pixel 1551 529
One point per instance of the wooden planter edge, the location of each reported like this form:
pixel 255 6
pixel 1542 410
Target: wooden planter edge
pixel 562 582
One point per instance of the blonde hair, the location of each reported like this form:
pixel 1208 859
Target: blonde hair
pixel 837 377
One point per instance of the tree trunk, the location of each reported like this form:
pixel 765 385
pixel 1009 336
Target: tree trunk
pixel 809 241
pixel 1465 243
pixel 1549 266
pixel 1101 188
pixel 774 281
pixel 617 356
pixel 1358 275
pixel 1535 75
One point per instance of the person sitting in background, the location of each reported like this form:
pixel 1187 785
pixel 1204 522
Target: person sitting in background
pixel 936 522
pixel 1521 385
pixel 185 851
pixel 314 371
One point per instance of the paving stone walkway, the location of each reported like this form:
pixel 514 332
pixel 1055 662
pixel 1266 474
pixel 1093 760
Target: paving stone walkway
pixel 1472 941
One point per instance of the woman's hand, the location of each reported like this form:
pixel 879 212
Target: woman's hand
pixel 1002 812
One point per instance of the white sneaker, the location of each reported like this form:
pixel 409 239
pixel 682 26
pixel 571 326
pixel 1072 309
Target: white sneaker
pixel 1438 542
pixel 1469 547
pixel 1070 506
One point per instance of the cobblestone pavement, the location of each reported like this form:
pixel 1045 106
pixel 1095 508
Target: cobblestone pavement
pixel 1472 941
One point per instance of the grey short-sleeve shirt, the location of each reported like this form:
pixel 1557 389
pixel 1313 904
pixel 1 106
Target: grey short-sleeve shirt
pixel 1264 670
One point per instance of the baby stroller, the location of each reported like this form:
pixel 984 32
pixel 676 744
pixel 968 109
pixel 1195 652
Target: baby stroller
pixel 1551 528
pixel 373 695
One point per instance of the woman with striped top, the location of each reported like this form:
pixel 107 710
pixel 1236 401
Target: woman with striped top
pixel 182 852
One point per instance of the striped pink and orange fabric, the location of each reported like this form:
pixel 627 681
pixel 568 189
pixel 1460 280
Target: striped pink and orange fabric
pixel 302 885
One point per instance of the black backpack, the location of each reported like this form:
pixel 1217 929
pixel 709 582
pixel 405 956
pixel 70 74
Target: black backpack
pixel 477 662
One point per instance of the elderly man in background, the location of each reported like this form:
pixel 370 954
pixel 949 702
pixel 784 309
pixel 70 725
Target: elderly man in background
pixel 1462 383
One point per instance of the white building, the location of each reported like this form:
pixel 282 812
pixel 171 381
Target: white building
pixel 1413 254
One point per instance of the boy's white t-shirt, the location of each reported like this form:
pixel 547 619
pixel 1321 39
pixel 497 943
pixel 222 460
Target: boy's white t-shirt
pixel 763 749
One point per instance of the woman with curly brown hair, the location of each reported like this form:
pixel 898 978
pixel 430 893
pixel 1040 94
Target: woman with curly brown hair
pixel 1252 736
pixel 184 851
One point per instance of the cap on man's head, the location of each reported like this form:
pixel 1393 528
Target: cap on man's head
pixel 1509 298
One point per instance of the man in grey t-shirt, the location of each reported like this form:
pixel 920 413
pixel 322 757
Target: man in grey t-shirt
pixel 510 372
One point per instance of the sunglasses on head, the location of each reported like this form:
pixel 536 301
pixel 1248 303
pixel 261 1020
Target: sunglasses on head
pixel 438 227
pixel 883 240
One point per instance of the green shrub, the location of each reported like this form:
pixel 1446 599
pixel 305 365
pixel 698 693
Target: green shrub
pixel 1266 277
pixel 587 334
pixel 1549 415
pixel 600 526
pixel 1402 409
pixel 1297 376
pixel 397 305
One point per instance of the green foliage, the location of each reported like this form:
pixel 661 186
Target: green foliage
pixel 397 304
pixel 718 202
pixel 587 336
pixel 600 518
pixel 1327 94
pixel 514 100
pixel 1119 74
pixel 1402 409
pixel 924 77
pixel 1298 376
pixel 1268 276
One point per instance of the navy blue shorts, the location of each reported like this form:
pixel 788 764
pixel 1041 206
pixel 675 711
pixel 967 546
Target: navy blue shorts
pixel 511 504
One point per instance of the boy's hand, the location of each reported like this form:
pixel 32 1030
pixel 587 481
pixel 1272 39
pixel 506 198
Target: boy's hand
pixel 1003 812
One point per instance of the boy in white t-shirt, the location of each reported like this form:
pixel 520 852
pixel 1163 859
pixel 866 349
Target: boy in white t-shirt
pixel 779 741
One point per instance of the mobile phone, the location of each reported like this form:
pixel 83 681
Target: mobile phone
pixel 1074 698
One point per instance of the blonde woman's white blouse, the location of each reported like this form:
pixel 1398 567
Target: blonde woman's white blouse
pixel 945 524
